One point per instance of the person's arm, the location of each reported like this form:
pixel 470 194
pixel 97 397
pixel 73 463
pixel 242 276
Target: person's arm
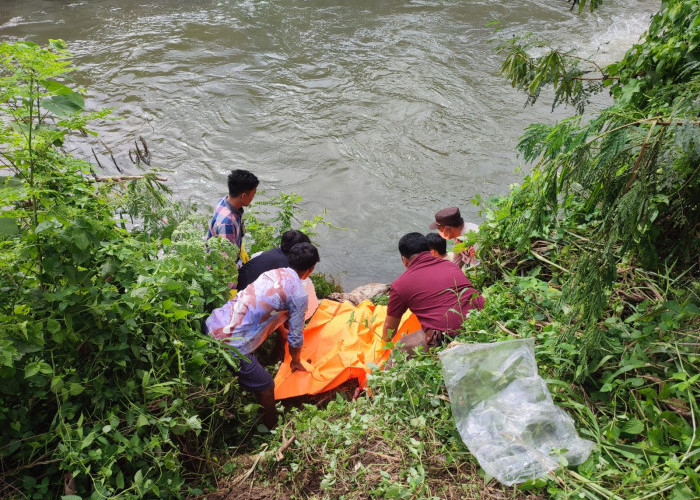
pixel 295 363
pixel 295 337
pixel 394 310
pixel 390 325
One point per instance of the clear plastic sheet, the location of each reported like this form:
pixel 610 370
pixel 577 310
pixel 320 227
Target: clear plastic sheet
pixel 505 413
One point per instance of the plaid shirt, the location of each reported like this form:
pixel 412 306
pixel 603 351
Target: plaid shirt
pixel 245 321
pixel 227 222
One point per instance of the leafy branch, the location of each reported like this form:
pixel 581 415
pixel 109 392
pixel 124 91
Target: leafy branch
pixel 628 177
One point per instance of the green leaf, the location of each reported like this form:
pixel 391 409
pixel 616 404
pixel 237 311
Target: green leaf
pixel 142 420
pixel 56 384
pixel 8 226
pixel 43 226
pixel 74 389
pixel 87 441
pixel 31 369
pixel 633 426
pixel 57 44
pixel 53 326
pixel 194 423
pixel 629 90
pixel 81 240
pixel 64 104
pixel 56 88
pixel 181 313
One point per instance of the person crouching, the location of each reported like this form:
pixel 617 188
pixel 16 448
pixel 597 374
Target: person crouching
pixel 275 297
pixel 435 290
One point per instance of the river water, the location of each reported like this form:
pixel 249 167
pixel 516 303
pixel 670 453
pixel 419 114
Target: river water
pixel 381 112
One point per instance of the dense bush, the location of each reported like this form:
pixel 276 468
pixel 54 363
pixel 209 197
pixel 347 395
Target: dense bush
pixel 106 382
pixel 623 187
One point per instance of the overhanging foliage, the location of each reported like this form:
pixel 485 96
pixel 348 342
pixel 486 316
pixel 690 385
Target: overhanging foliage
pixel 628 178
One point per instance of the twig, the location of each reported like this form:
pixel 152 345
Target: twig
pixel 145 147
pixel 656 121
pixel 119 178
pixel 547 261
pixel 692 412
pixel 145 155
pixel 385 457
pixel 639 158
pixel 595 487
pixel 96 158
pixel 247 474
pixel 439 396
pixel 285 444
pixel 654 291
pixel 499 325
pixel 112 156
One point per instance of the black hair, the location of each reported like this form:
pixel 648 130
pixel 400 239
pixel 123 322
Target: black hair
pixel 241 181
pixel 413 243
pixel 303 256
pixel 437 243
pixel 291 238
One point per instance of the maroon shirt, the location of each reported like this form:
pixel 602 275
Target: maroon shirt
pixel 431 288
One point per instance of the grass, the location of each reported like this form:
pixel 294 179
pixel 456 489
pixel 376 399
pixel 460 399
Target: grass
pixel 398 440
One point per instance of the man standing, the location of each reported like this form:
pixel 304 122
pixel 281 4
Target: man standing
pixel 228 215
pixel 270 259
pixel 246 321
pixel 451 226
pixel 435 290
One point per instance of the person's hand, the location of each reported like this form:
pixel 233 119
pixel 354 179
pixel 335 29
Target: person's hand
pixel 297 366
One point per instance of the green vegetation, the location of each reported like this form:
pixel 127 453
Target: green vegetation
pixel 624 186
pixel 107 386
pixel 639 407
pixel 106 382
pixel 267 233
pixel 595 256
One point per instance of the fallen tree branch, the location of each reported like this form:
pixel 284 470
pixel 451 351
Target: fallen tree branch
pixel 247 474
pixel 499 325
pixel 547 261
pixel 119 178
pixel 287 442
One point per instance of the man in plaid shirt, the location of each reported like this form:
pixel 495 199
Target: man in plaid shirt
pixel 228 215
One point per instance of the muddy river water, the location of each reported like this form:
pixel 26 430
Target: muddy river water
pixel 381 112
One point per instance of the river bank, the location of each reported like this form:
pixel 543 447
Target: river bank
pixel 109 388
pixel 399 439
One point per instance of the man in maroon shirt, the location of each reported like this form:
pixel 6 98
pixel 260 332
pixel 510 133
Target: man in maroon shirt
pixel 435 290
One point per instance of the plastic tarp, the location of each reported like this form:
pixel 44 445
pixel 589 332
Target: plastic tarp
pixel 505 413
pixel 341 341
